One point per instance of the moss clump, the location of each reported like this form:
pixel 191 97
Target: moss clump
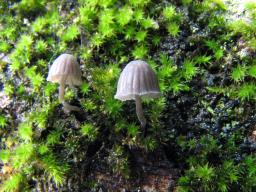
pixel 202 124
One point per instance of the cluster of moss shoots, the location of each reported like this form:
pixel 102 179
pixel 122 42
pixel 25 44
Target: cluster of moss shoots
pixel 105 34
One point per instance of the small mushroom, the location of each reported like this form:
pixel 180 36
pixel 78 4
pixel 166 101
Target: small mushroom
pixel 65 70
pixel 137 81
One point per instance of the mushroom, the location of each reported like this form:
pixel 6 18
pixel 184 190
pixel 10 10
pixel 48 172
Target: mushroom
pixel 137 81
pixel 65 70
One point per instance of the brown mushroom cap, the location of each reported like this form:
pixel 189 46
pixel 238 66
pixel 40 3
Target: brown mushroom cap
pixel 137 79
pixel 65 66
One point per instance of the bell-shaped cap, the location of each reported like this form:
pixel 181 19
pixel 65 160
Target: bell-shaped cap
pixel 65 67
pixel 137 79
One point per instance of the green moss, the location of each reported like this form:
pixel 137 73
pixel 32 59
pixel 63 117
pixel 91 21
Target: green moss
pixel 252 71
pixel 149 23
pixel 173 29
pixel 38 26
pixel 5 155
pixel 8 89
pixel 25 131
pixel 70 33
pixel 191 46
pixel 13 183
pixel 247 91
pixel 132 130
pixel 169 12
pixel 3 121
pixel 22 154
pixel 30 6
pixel 189 69
pixel 89 131
pixel 140 51
pixel 140 36
pixel 41 46
pixel 56 170
pixel 124 15
pixel 36 79
pixel 4 46
pixel 238 73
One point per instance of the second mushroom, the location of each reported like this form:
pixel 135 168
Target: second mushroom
pixel 137 81
pixel 65 70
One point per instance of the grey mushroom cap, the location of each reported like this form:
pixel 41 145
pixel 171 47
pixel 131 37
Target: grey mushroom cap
pixel 67 67
pixel 137 79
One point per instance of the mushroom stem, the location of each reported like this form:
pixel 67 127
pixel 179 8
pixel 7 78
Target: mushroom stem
pixel 67 107
pixel 139 111
pixel 62 91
